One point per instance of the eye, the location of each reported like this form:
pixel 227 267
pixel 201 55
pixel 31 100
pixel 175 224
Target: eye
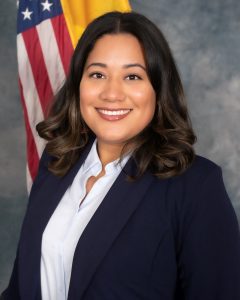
pixel 96 75
pixel 133 77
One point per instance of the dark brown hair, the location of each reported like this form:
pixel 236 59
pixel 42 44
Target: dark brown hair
pixel 165 146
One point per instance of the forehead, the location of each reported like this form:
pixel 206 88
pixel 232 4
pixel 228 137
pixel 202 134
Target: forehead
pixel 116 48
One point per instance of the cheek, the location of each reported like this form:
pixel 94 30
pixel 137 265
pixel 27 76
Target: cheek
pixel 146 101
pixel 83 92
pixel 86 96
pixel 149 107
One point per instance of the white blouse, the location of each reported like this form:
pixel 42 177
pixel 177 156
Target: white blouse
pixel 68 222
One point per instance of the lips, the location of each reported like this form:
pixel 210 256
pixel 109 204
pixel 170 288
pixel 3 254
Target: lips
pixel 113 114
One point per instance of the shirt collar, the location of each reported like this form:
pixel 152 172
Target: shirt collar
pixel 93 164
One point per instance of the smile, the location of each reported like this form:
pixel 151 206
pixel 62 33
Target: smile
pixel 114 112
pixel 113 115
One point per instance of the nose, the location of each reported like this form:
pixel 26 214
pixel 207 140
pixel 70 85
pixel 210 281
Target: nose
pixel 112 91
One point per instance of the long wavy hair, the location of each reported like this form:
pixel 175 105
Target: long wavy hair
pixel 164 147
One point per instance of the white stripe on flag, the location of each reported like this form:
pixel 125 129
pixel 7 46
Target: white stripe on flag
pixel 33 106
pixel 29 179
pixel 51 54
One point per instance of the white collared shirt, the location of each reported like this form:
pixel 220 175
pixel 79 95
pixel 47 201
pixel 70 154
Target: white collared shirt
pixel 69 220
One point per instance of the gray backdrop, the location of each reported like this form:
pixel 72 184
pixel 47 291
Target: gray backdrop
pixel 204 37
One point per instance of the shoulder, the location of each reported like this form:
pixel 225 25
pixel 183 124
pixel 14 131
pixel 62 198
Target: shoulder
pixel 43 164
pixel 197 201
pixel 199 190
pixel 201 168
pixel 199 172
pixel 43 171
pixel 199 196
pixel 45 159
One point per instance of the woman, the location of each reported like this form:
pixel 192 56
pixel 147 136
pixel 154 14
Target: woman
pixel 122 208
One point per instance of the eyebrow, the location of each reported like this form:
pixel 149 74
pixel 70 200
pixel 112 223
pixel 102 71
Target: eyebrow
pixel 98 64
pixel 134 65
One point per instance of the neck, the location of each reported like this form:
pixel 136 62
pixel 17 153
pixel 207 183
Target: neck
pixel 108 152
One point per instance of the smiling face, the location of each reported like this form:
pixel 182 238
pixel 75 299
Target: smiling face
pixel 117 100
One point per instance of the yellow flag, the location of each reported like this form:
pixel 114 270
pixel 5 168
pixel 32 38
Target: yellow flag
pixel 78 13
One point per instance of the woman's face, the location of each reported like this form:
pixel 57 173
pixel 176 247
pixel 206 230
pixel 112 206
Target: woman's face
pixel 117 100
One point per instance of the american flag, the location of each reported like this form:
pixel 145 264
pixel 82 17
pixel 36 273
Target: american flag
pixel 44 50
pixel 47 31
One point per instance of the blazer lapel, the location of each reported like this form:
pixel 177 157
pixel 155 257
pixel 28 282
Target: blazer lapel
pixel 42 205
pixel 111 216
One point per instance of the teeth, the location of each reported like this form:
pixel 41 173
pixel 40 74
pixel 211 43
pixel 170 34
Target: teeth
pixel 114 112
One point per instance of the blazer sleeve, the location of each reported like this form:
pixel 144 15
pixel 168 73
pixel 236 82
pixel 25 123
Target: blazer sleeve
pixel 209 259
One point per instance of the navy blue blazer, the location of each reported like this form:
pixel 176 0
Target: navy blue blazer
pixel 170 239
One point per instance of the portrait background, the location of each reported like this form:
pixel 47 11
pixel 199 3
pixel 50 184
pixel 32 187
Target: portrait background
pixel 204 38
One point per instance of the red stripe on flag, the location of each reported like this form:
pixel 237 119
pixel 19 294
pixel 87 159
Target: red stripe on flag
pixel 32 154
pixel 38 65
pixel 63 40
